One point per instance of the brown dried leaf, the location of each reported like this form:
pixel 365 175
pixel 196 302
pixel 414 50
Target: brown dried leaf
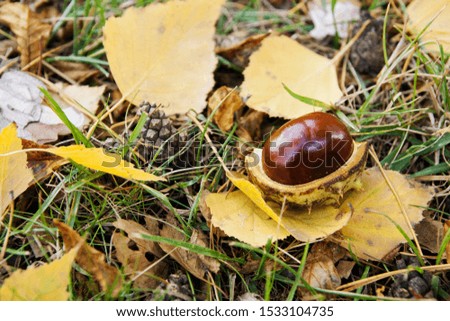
pixel 192 262
pixel 144 273
pixel 320 270
pixel 31 33
pixel 240 53
pixel 282 60
pixel 370 234
pixel 164 53
pixel 227 101
pixel 251 123
pixel 345 268
pixel 42 164
pixel 430 233
pixel 76 71
pixel 131 228
pixel 91 260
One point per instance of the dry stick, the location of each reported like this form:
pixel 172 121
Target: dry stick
pixel 8 231
pixel 48 53
pixel 356 284
pixel 9 64
pixel 59 73
pixel 397 198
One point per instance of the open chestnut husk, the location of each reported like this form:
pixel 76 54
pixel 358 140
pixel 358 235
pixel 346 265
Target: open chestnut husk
pixel 309 160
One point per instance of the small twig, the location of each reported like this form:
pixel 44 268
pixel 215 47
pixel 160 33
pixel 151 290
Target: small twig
pixel 8 230
pixel 356 284
pixel 59 73
pixel 44 55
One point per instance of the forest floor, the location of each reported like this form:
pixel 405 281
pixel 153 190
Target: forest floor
pixel 395 95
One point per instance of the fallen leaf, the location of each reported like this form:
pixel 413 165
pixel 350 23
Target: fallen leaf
pixel 196 264
pixel 236 215
pixel 328 22
pixel 31 33
pixel 21 101
pixel 145 273
pixel 78 72
pixel 430 234
pixel 47 282
pixel 303 224
pixel 83 98
pixel 320 270
pixel 344 268
pixel 239 53
pixel 91 260
pixel 227 101
pixel 164 53
pixel 251 123
pixel 281 60
pixel 99 159
pixel 42 164
pixel 432 16
pixel 15 176
pixel 371 233
pixel 132 228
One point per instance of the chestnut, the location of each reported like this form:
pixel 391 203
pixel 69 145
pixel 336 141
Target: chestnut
pixel 309 160
pixel 307 148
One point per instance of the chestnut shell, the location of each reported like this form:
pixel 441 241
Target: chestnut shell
pixel 307 148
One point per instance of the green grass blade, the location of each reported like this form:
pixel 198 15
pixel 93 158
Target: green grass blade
pixel 189 246
pixel 76 133
pixel 298 275
pixel 307 100
pixel 432 170
pixel 443 247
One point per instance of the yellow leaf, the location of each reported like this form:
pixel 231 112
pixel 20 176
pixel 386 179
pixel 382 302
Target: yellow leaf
pixel 44 283
pixel 91 260
pixel 236 215
pixel 98 159
pixel 370 233
pixel 31 33
pixel 15 176
pixel 164 53
pixel 228 102
pixel 423 12
pixel 283 60
pixel 303 224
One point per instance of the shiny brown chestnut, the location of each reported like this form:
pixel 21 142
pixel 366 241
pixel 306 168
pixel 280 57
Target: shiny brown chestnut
pixel 307 148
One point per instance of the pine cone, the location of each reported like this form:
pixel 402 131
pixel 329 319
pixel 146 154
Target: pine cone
pixel 159 140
